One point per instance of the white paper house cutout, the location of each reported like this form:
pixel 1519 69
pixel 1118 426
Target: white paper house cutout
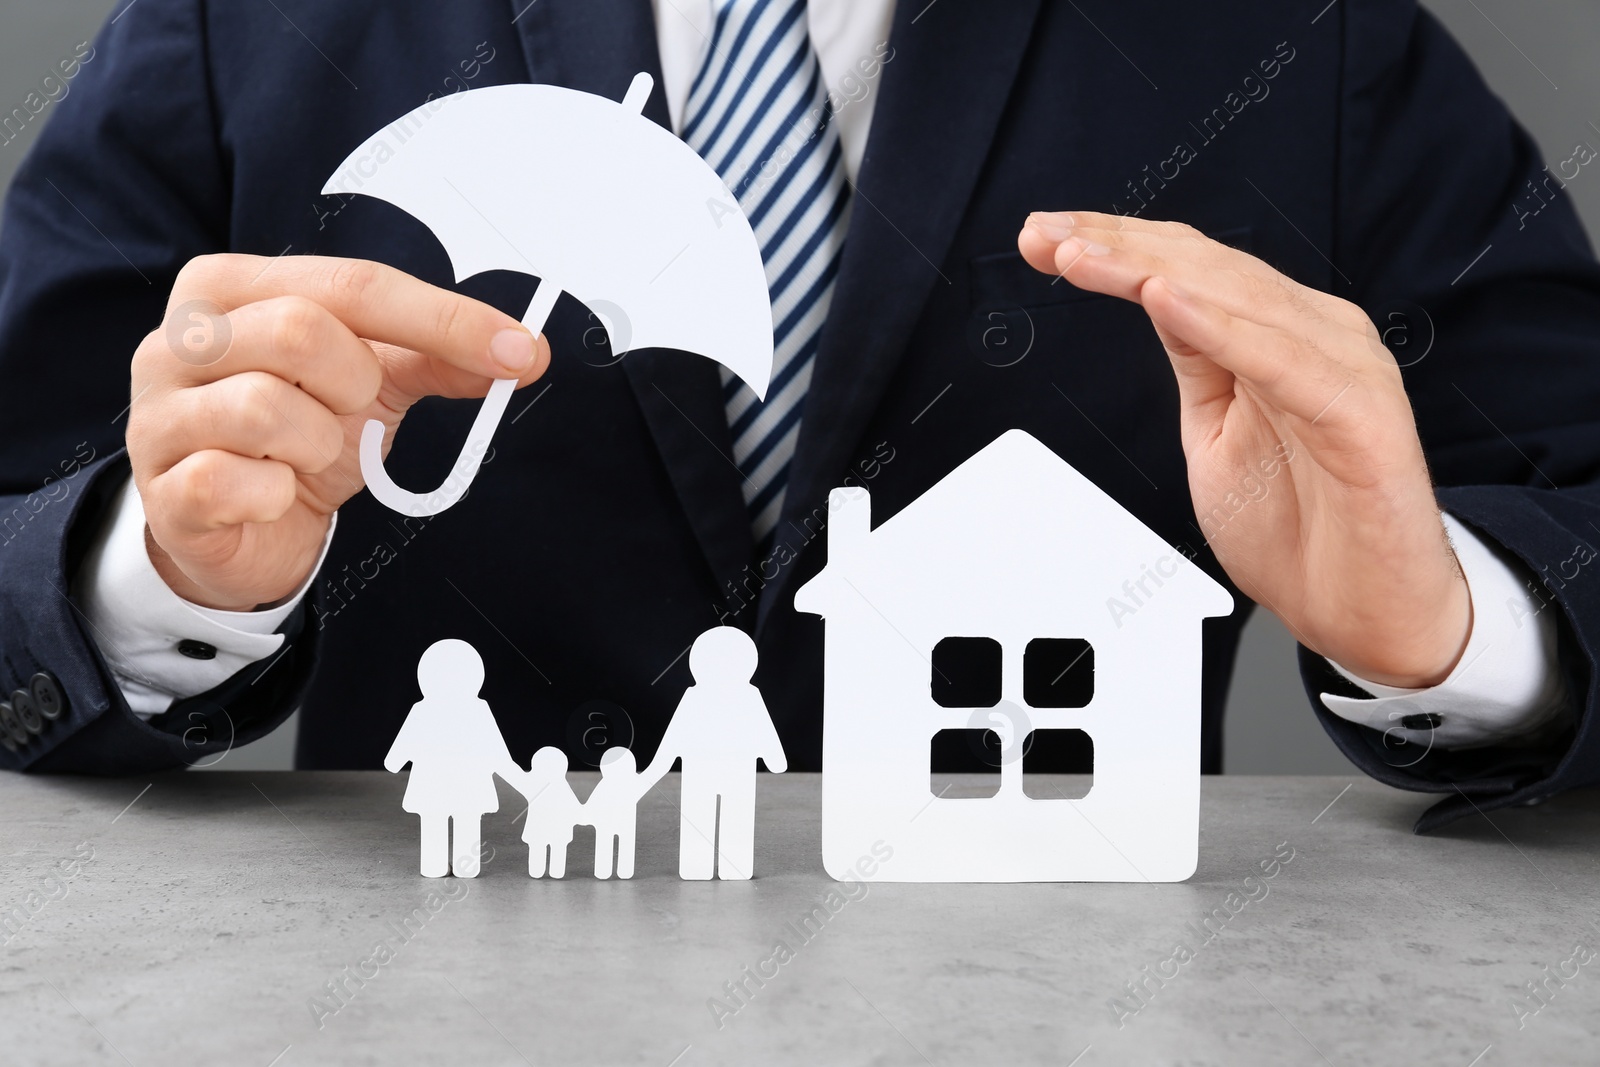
pixel 1012 545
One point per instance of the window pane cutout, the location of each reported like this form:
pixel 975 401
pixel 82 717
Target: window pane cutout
pixel 1058 673
pixel 966 672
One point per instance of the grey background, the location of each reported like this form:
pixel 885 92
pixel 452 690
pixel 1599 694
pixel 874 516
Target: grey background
pixel 1539 57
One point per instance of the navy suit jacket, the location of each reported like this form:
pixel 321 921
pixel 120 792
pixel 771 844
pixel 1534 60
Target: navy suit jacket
pixel 1356 150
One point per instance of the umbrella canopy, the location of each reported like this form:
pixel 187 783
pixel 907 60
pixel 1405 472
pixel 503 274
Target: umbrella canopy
pixel 593 199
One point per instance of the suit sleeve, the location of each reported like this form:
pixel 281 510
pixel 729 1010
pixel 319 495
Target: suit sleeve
pixel 124 186
pixel 1451 227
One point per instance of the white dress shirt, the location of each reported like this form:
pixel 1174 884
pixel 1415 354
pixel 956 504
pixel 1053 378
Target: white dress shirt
pixel 159 646
pixel 1507 686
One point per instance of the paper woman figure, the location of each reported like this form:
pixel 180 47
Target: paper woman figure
pixel 720 729
pixel 455 749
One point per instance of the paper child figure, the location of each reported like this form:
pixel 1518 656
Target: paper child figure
pixel 720 729
pixel 455 749
pixel 553 812
pixel 613 810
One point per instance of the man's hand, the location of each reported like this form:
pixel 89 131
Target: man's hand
pixel 1345 545
pixel 248 404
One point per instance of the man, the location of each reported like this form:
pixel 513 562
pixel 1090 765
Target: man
pixel 630 503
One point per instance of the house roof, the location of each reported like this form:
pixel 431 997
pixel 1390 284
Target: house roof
pixel 1013 525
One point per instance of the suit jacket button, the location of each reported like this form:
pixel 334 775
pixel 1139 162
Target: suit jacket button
pixel 10 728
pixel 197 649
pixel 47 695
pixel 27 713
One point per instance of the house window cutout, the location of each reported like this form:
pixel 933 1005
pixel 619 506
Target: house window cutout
pixel 966 672
pixel 1058 672
pixel 1057 765
pixel 965 764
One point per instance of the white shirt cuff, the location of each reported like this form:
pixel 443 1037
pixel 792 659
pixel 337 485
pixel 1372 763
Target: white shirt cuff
pixel 1507 687
pixel 160 647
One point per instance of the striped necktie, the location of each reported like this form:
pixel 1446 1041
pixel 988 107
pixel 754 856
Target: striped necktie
pixel 758 113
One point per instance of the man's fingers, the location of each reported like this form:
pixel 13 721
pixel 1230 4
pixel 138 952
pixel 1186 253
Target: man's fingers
pixel 254 414
pixel 1119 264
pixel 375 302
pixel 291 337
pixel 1116 257
pixel 1271 360
pixel 1104 221
pixel 1205 387
pixel 1045 230
pixel 409 376
pixel 212 489
pixel 1037 242
pixel 1210 303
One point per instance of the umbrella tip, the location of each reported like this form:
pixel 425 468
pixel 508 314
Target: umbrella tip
pixel 638 92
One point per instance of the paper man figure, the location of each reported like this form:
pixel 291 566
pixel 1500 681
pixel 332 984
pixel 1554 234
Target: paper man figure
pixel 720 729
pixel 455 749
pixel 613 810
pixel 553 812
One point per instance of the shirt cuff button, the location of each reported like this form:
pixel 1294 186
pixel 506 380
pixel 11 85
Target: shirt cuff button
pixel 1425 721
pixel 196 649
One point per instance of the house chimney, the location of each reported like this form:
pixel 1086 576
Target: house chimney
pixel 849 522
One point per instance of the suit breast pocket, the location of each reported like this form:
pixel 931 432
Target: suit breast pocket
pixel 1013 307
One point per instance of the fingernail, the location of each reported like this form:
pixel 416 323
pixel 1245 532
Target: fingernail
pixel 1052 225
pixel 512 349
pixel 1074 247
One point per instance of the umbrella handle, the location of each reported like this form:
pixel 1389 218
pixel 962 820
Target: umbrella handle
pixel 465 468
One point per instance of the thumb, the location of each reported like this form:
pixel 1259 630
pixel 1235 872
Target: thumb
pixel 1205 388
pixel 408 376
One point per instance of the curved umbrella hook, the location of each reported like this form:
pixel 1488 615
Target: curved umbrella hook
pixel 420 505
pixel 465 468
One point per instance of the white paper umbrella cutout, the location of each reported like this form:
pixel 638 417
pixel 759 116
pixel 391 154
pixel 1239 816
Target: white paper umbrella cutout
pixel 593 199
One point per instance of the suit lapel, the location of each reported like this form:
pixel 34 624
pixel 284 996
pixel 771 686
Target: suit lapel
pixel 941 98
pixel 598 46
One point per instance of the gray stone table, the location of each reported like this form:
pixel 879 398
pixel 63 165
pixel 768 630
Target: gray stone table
pixel 209 918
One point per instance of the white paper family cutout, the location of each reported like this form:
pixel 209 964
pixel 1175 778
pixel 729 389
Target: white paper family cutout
pixel 593 199
pixel 1014 545
pixel 719 731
